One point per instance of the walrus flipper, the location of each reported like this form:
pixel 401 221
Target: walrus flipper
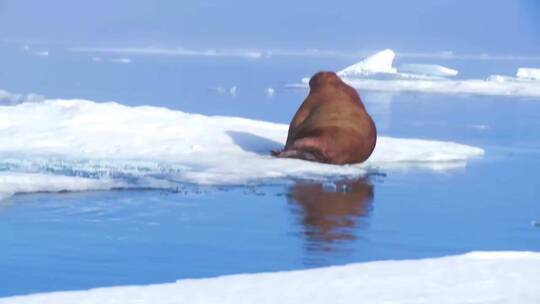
pixel 305 148
pixel 305 155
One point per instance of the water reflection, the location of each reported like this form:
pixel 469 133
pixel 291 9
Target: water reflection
pixel 330 213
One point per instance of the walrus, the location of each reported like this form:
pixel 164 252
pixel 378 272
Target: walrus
pixel 331 126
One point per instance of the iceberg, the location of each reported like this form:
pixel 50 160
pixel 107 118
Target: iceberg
pixel 476 277
pixel 157 147
pixel 380 62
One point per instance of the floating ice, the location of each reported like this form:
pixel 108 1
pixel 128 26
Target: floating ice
pixel 109 140
pixel 270 92
pixel 14 182
pixel 232 91
pixel 528 73
pixel 380 62
pixel 477 277
pixel 427 69
pixel 375 73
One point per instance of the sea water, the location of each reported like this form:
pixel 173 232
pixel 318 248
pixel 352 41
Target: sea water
pixel 81 240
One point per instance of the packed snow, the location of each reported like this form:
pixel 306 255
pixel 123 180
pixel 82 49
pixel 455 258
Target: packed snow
pixel 477 277
pixel 152 146
pixel 376 73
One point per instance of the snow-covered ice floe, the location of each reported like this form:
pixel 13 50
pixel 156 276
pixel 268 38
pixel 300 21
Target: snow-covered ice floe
pixel 477 277
pixel 376 73
pixel 155 147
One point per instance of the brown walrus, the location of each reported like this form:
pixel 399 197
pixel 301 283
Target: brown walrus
pixel 331 126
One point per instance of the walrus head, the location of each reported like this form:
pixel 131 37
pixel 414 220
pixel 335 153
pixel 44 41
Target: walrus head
pixel 324 77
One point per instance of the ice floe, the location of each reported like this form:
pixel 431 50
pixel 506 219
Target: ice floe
pixel 376 73
pixel 140 144
pixel 528 73
pixel 477 277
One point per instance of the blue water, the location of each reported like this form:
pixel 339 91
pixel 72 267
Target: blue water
pixel 67 241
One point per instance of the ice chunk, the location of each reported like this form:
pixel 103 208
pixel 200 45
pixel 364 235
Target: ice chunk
pixel 478 277
pixel 528 73
pixel 270 92
pixel 380 62
pixel 427 69
pixel 232 91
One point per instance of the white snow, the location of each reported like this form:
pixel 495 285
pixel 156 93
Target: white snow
pixel 428 69
pixel 380 62
pixel 528 73
pixel 477 277
pixel 14 182
pixel 110 140
pixel 375 73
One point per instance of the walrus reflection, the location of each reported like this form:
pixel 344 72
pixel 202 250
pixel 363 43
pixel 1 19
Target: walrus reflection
pixel 329 213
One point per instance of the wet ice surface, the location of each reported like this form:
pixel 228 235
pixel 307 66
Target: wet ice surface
pixel 69 241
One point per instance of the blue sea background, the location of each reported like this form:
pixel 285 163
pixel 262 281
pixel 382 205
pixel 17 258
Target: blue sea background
pixel 67 241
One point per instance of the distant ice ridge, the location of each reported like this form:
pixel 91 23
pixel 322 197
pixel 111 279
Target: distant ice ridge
pixel 156 147
pixel 376 73
pixel 477 277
